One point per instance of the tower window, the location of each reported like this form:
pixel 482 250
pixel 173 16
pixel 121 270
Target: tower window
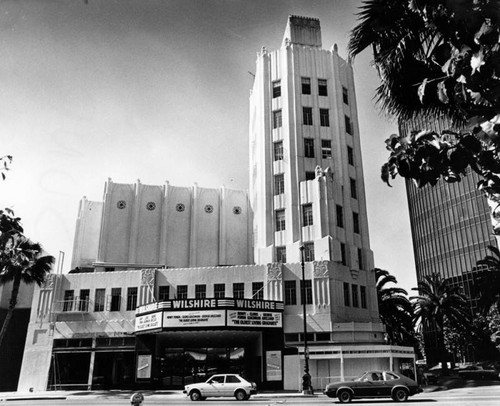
pixel 238 290
pixel 306 85
pixel 348 125
pixel 354 193
pixel 350 155
pixel 277 119
pixel 278 151
pixel 200 291
pixel 280 220
pixel 326 149
pixel 306 291
pixel 363 296
pixel 307 115
pixel 322 89
pixel 219 290
pixel 347 300
pixel 340 216
pixel 360 258
pixel 345 96
pixel 307 215
pixel 309 252
pixel 308 147
pixel 276 88
pixel 279 184
pixel 324 117
pixel 355 222
pixel 343 258
pixel 290 293
pixel 281 254
pixel 355 300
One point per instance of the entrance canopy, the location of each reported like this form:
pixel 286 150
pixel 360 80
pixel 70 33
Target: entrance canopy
pixel 185 314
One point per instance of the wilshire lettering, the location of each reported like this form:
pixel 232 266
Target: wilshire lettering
pixel 255 304
pixel 193 303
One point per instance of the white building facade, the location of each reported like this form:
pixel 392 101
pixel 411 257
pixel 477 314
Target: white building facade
pixel 171 284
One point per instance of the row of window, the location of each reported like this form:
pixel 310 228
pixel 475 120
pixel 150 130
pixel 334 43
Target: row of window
pixel 102 302
pixel 307 119
pixel 355 295
pixel 326 150
pixel 308 253
pixel 306 88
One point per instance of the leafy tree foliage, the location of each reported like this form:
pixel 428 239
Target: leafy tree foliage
pixel 21 261
pixel 487 284
pixel 437 305
pixel 395 309
pixel 438 59
pixel 5 161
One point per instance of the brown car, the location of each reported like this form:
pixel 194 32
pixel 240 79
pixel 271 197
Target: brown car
pixel 374 384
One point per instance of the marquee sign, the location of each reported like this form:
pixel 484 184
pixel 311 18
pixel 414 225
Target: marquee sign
pixel 200 313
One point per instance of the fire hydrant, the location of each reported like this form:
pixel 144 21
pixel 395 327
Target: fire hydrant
pixel 136 399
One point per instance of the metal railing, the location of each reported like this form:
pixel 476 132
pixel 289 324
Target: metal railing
pixel 75 305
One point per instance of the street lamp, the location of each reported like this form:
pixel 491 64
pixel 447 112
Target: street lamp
pixel 306 378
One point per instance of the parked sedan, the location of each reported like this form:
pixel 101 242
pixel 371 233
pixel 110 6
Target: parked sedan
pixel 374 384
pixel 478 372
pixel 222 385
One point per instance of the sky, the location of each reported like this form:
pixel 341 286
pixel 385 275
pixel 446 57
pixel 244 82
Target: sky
pixel 158 91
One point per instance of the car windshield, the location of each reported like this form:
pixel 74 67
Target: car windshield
pixel 360 376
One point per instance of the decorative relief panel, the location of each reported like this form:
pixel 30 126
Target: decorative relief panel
pixel 354 273
pixel 274 272
pixel 148 277
pixel 151 206
pixel 121 204
pixel 320 269
pixel 48 283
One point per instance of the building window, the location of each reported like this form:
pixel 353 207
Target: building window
pixel 308 147
pixel 116 299
pixel 281 254
pixel 307 115
pixel 279 184
pixel 360 258
pixel 238 290
pixel 340 216
pixel 348 126
pixel 277 120
pixel 322 89
pixel 345 95
pixel 343 258
pixel 163 293
pixel 182 292
pixel 355 301
pixel 83 303
pixel 131 298
pixel 310 175
pixel 100 298
pixel 326 149
pixel 347 301
pixel 307 215
pixel 309 252
pixel 363 296
pixel 258 290
pixel 322 337
pixel 69 296
pixel 306 292
pixel 306 85
pixel 276 88
pixel 200 291
pixel 354 193
pixel 278 151
pixel 355 222
pixel 290 293
pixel 324 117
pixel 350 155
pixel 219 290
pixel 280 220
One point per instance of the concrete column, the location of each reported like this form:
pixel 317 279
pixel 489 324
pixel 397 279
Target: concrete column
pixel 91 366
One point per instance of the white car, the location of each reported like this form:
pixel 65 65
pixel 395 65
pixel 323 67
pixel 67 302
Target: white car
pixel 222 385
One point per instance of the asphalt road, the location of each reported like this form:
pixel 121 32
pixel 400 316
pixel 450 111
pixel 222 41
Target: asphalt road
pixel 474 396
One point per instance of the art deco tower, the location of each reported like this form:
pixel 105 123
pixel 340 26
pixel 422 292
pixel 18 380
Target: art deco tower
pixel 306 175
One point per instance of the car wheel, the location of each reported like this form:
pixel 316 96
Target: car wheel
pixel 400 395
pixel 344 396
pixel 240 395
pixel 195 395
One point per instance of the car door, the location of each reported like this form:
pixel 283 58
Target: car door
pixel 232 383
pixel 371 385
pixel 215 385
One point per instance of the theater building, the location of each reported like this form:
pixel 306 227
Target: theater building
pixel 172 284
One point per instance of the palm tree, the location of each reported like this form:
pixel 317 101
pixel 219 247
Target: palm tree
pixel 395 309
pixel 21 260
pixel 487 286
pixel 438 58
pixel 437 305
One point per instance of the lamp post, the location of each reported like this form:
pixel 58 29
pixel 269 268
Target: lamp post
pixel 306 378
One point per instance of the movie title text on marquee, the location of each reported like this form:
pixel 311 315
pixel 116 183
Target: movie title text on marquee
pixel 199 318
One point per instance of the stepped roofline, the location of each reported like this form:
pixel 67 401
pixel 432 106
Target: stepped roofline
pixel 303 31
